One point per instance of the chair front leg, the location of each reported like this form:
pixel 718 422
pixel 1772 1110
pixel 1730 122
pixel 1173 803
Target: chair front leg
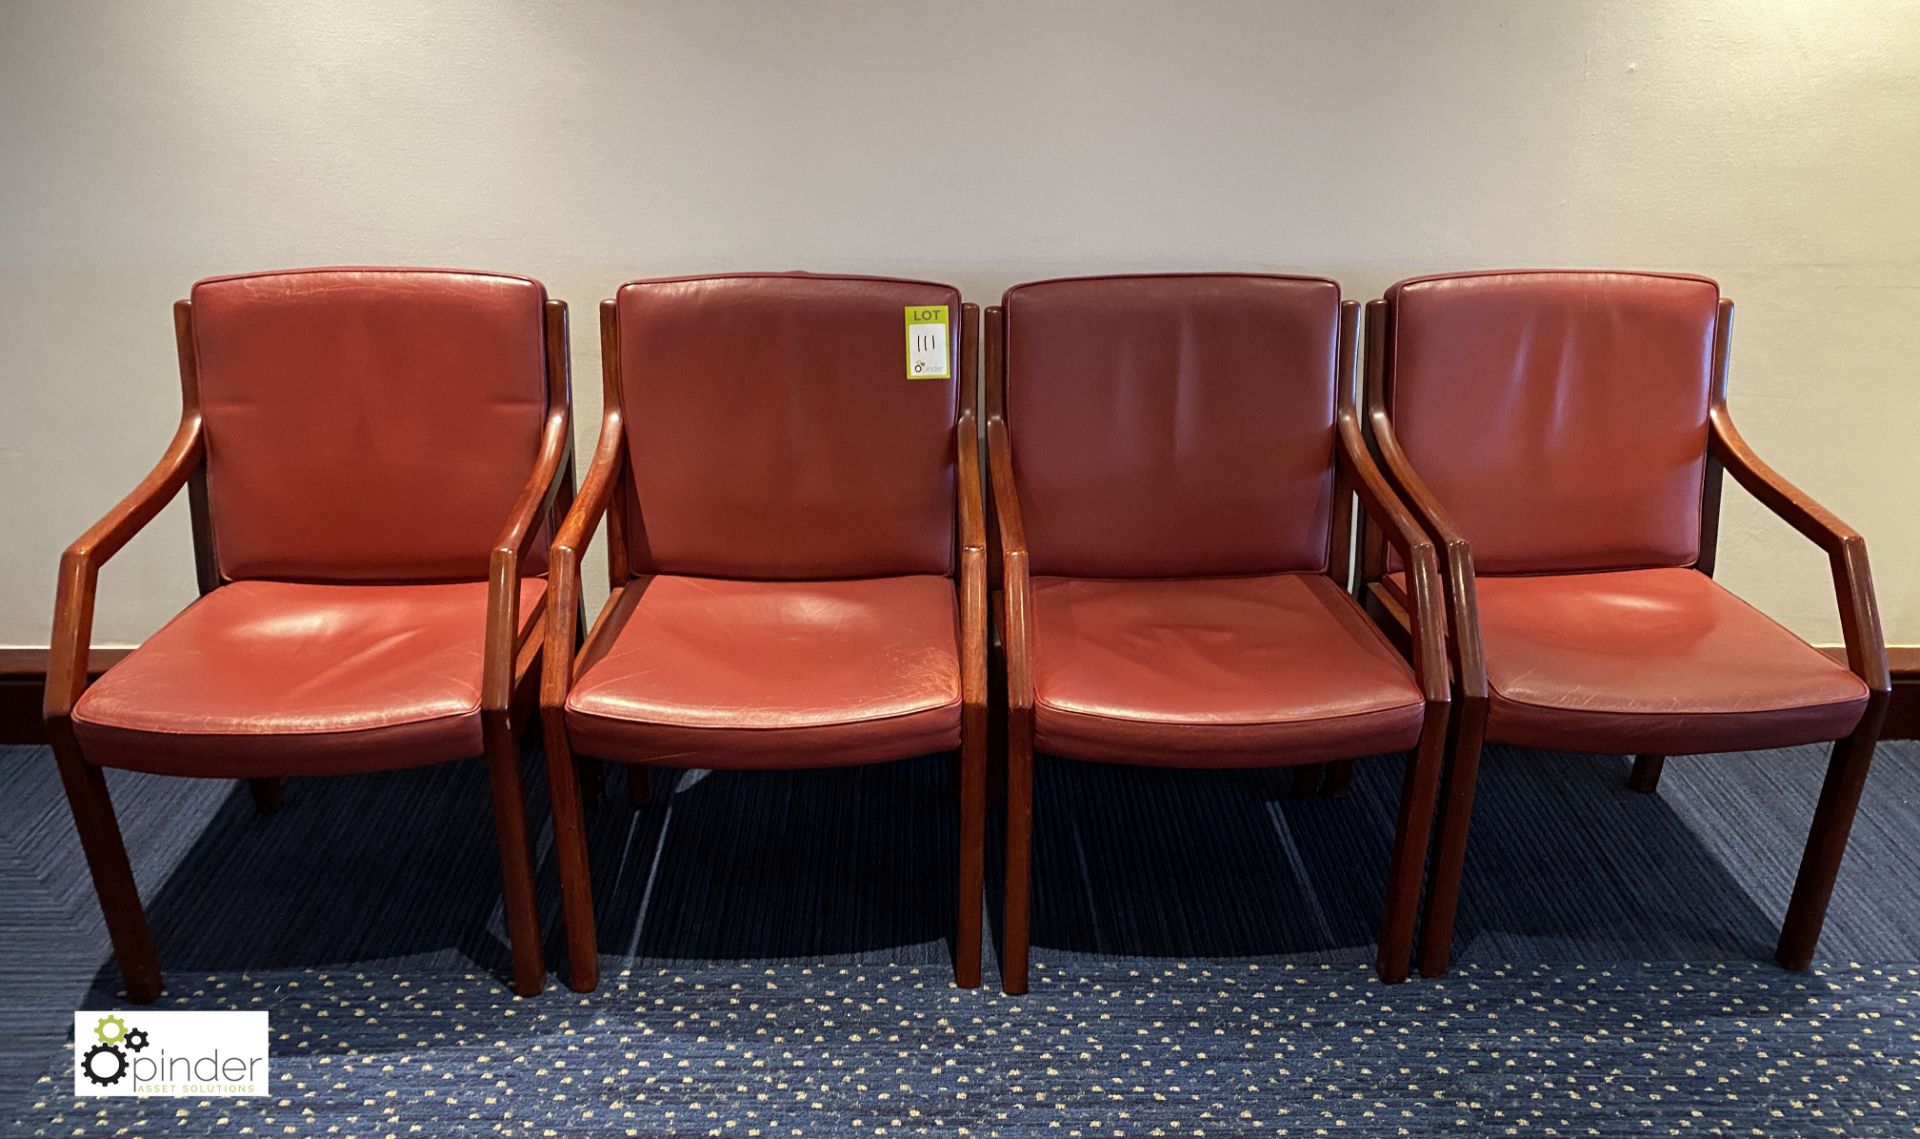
pixel 1411 835
pixel 1827 843
pixel 570 855
pixel 516 853
pixel 106 853
pixel 1450 848
pixel 1645 777
pixel 1015 937
pixel 973 843
pixel 996 749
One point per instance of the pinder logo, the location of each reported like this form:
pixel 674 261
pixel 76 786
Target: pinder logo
pixel 169 1053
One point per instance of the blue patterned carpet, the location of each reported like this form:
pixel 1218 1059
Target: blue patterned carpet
pixel 776 965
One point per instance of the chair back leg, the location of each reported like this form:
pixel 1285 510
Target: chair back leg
pixel 268 797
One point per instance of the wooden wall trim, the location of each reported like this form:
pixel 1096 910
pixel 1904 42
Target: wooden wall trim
pixel 1902 660
pixel 1903 711
pixel 23 682
pixel 32 663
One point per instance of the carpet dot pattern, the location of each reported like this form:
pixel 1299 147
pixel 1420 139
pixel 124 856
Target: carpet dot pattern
pixel 1120 1050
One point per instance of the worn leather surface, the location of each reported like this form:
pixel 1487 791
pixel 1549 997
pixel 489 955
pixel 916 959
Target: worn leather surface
pixel 275 678
pixel 1658 661
pixel 773 432
pixel 706 672
pixel 1559 417
pixel 367 424
pixel 1173 425
pixel 1205 672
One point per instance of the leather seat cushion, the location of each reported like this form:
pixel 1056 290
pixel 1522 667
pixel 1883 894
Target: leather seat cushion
pixel 1205 672
pixel 1654 661
pixel 264 678
pixel 709 672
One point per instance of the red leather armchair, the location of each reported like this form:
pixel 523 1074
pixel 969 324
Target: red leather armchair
pixel 1173 460
pixel 796 553
pixel 1562 436
pixel 369 455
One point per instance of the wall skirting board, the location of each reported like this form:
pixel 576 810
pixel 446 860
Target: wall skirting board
pixel 23 681
pixel 23 676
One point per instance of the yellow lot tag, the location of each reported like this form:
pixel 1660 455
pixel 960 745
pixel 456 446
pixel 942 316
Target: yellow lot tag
pixel 928 354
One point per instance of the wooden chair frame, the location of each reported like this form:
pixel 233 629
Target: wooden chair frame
pixel 506 688
pixel 1726 450
pixel 607 492
pixel 1354 474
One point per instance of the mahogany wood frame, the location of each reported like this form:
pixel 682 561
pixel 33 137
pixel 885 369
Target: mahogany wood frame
pixel 1726 450
pixel 510 656
pixel 606 491
pixel 1354 474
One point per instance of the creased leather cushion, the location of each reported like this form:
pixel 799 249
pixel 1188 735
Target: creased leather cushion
pixel 368 424
pixel 707 672
pixel 265 678
pixel 1659 661
pixel 1560 417
pixel 773 432
pixel 1215 672
pixel 1173 425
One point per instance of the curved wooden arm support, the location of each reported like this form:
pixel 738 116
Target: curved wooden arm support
pixel 503 673
pixel 1016 581
pixel 1846 549
pixel 80 564
pixel 563 565
pixel 1426 615
pixel 1454 554
pixel 973 510
pixel 505 665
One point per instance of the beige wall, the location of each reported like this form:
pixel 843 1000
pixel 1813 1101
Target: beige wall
pixel 1773 145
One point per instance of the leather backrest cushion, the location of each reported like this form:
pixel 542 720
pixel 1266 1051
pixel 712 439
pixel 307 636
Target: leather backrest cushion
pixel 1560 417
pixel 772 430
pixel 367 424
pixel 1169 425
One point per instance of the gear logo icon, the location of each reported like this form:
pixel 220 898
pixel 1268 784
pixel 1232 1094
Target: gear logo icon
pixel 108 1061
pixel 104 1064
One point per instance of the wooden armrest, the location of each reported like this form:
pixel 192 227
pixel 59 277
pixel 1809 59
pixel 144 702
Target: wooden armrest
pixel 563 566
pixel 1846 549
pixel 1455 556
pixel 502 672
pixel 973 526
pixel 80 564
pixel 499 674
pixel 1016 583
pixel 1426 615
